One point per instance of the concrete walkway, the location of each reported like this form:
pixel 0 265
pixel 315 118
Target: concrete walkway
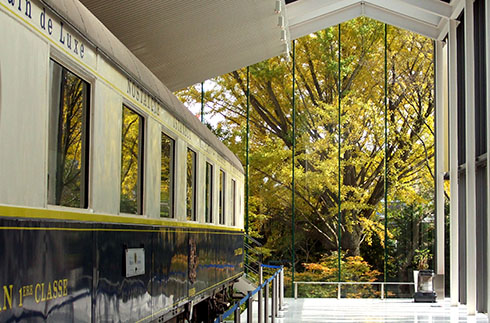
pixel 370 311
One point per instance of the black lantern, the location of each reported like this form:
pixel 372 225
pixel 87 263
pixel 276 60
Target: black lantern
pixel 424 292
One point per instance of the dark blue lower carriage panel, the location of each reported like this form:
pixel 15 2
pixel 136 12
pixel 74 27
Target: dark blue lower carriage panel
pixel 121 299
pixel 219 257
pixel 46 273
pixel 170 263
pixel 65 271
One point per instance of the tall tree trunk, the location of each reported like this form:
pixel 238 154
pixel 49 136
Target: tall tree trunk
pixel 351 242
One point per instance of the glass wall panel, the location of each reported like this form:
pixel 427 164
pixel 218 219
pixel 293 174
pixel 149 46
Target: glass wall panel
pixel 209 194
pixel 363 175
pixel 480 78
pixel 386 160
pixel 191 185
pixel 461 73
pixel 316 165
pixel 482 239
pixel 411 209
pixel 481 98
pixel 462 274
pixel 362 155
pixel 68 139
pixel 131 162
pixel 167 177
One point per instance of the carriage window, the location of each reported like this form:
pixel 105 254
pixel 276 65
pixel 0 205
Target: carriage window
pixel 233 202
pixel 68 139
pixel 209 193
pixel 167 177
pixel 131 162
pixel 191 185
pixel 222 179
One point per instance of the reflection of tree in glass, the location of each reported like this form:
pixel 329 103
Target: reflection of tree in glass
pixel 166 177
pixel 221 197
pixel 191 157
pixel 70 141
pixel 209 191
pixel 130 161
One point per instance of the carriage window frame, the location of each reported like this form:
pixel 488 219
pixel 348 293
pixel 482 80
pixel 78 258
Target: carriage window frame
pixel 190 196
pixel 208 193
pixel 222 197
pixel 85 149
pixel 141 161
pixel 233 202
pixel 171 175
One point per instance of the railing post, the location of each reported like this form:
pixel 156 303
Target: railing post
pixel 274 300
pixel 278 296
pixel 237 315
pixel 339 291
pixel 266 303
pixel 249 308
pixel 278 285
pixel 382 290
pixel 261 281
pixel 295 290
pixel 282 287
pixel 259 306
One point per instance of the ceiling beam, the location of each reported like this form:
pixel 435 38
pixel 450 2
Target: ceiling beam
pixel 458 6
pixel 424 17
pixel 404 7
pixel 398 20
pixel 305 10
pixel 324 21
pixel 443 29
pixel 436 7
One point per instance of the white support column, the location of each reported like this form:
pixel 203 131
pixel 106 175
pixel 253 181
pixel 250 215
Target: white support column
pixel 470 159
pixel 487 48
pixel 453 163
pixel 440 157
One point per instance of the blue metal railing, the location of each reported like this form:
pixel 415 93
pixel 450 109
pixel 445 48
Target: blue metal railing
pixel 277 294
pixel 253 258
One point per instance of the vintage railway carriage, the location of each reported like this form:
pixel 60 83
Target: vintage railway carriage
pixel 116 204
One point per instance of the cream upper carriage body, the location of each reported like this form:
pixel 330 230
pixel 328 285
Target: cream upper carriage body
pixel 34 37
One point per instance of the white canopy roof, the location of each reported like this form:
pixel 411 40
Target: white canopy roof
pixel 184 42
pixel 425 17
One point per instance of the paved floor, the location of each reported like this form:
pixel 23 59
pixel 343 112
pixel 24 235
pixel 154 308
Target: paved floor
pixel 370 311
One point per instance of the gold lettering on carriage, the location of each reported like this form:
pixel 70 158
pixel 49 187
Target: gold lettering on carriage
pixel 143 97
pixel 39 292
pixel 55 29
pixel 180 127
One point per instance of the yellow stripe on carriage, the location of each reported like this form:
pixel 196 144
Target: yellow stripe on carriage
pixel 47 214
